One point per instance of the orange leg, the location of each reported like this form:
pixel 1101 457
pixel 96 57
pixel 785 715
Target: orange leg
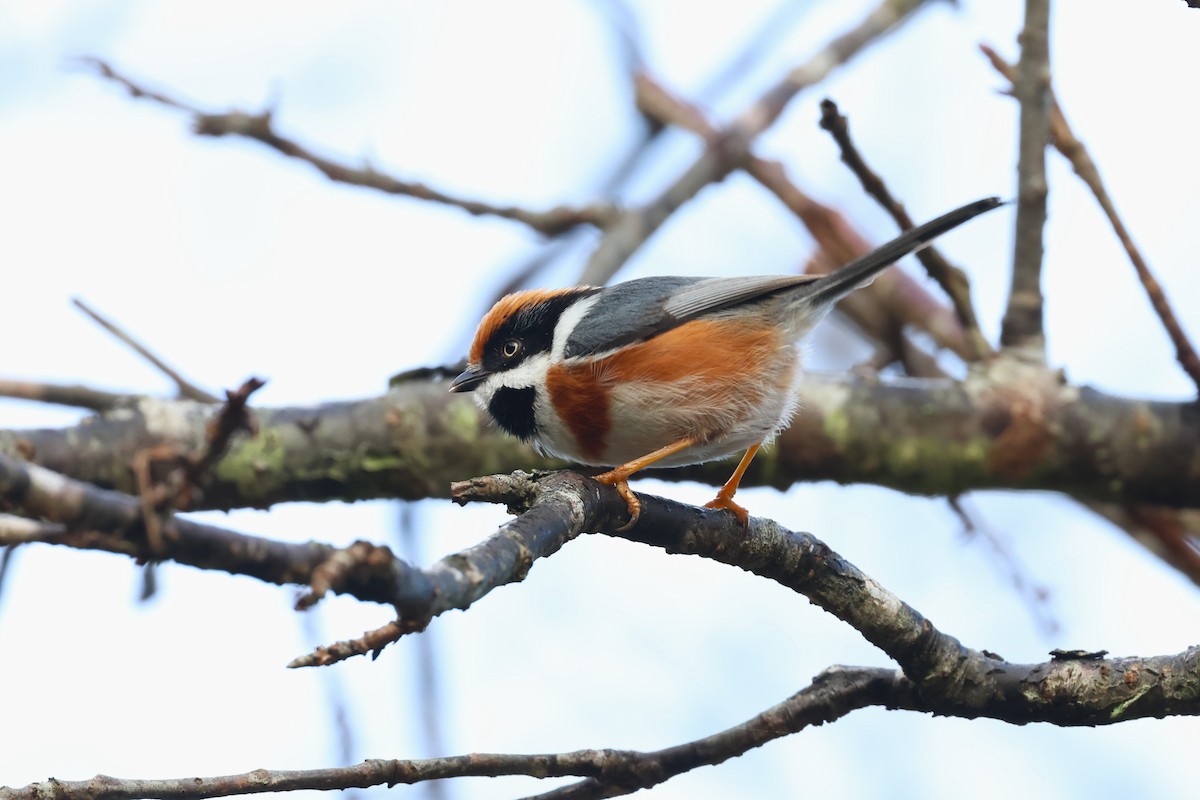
pixel 619 476
pixel 724 498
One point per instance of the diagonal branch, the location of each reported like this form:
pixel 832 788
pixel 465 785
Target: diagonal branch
pixel 186 389
pixel 729 152
pixel 1067 143
pixel 952 279
pixel 259 127
pixel 939 675
pixel 893 300
pixel 833 694
pixel 66 395
pixel 1022 325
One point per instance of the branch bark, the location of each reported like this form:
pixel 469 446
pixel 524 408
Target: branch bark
pixel 1022 326
pixel 939 674
pixel 260 128
pixel 636 226
pixel 1074 150
pixel 1007 426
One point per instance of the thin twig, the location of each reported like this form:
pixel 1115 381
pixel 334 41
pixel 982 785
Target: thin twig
pixel 832 694
pixel 1036 596
pixel 1069 680
pixel 1067 143
pixel 1022 328
pixel 372 642
pixel 899 299
pixel 16 530
pixel 1171 534
pixel 186 389
pixel 636 226
pixel 63 395
pixel 259 127
pixel 952 279
pixel 233 417
pixel 752 50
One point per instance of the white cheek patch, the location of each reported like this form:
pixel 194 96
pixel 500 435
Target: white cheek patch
pixel 529 373
pixel 567 322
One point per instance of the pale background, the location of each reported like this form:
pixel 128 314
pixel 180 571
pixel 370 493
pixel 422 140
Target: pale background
pixel 232 261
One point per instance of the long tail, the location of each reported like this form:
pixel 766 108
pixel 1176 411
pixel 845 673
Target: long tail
pixel 832 287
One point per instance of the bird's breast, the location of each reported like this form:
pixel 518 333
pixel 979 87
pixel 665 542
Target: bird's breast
pixel 723 382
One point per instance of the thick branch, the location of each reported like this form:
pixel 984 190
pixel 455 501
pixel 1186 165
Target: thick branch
pixel 939 674
pixel 1009 426
pixel 80 515
pixel 949 677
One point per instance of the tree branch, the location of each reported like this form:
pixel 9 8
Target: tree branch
pixel 63 395
pixel 1007 426
pixel 635 226
pixel 186 388
pixel 952 279
pixel 1022 325
pixel 892 300
pixel 259 127
pixel 832 695
pixel 940 675
pixel 1073 149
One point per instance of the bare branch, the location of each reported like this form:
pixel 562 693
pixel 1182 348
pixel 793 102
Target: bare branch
pixel 1022 325
pixel 95 519
pixel 1171 534
pixel 16 530
pixel 186 389
pixel 952 279
pixel 881 309
pixel 372 642
pixel 1008 426
pixel 1056 687
pixel 634 227
pixel 234 416
pixel 59 394
pixel 1035 595
pixel 952 678
pixel 259 128
pixel 940 675
pixel 833 694
pixel 1067 143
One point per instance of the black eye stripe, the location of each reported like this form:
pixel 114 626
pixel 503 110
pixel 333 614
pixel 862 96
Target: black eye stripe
pixel 532 328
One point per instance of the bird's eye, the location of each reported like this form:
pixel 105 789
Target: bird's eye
pixel 510 348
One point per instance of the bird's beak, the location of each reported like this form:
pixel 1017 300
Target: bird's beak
pixel 471 377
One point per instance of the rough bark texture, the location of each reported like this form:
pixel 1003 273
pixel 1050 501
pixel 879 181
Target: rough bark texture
pixel 1010 426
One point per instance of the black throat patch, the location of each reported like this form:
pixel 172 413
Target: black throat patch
pixel 513 411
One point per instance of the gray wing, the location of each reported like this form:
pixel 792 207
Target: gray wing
pixel 713 294
pixel 640 309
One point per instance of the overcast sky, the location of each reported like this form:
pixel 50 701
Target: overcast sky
pixel 231 261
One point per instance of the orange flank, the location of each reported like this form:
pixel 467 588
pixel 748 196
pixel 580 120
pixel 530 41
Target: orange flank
pixel 714 354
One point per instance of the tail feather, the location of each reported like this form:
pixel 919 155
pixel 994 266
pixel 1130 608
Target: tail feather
pixel 830 288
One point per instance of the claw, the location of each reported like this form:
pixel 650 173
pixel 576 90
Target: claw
pixel 725 501
pixel 619 481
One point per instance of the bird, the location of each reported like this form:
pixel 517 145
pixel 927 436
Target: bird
pixel 666 371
